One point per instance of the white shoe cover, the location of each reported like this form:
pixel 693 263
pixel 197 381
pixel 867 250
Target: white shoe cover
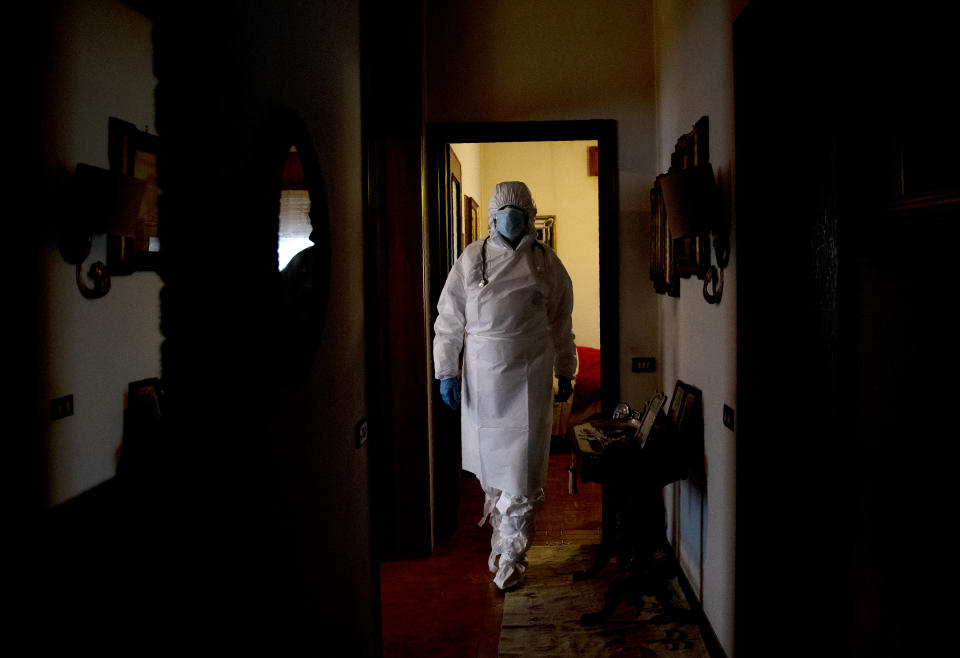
pixel 510 573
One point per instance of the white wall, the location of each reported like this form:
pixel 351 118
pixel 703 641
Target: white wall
pixel 101 66
pixel 568 61
pixel 694 74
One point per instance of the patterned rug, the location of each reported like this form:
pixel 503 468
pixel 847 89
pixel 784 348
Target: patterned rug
pixel 542 616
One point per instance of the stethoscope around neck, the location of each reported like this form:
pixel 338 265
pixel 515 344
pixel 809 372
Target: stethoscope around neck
pixel 483 260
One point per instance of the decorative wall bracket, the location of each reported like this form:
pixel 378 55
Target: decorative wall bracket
pixel 685 211
pixel 95 201
pixel 100 277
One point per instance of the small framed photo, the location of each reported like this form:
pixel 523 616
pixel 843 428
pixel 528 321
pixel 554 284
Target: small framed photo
pixel 686 406
pixel 145 395
pixel 676 402
pixel 650 415
pixel 672 256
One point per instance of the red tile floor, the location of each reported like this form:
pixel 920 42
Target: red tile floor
pixel 447 605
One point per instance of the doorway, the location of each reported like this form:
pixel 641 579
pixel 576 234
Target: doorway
pixel 405 269
pixel 456 203
pixel 449 587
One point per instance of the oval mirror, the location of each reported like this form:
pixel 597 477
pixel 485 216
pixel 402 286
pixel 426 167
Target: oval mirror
pixel 302 231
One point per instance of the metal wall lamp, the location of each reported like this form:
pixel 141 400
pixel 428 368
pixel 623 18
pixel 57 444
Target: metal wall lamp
pixel 100 201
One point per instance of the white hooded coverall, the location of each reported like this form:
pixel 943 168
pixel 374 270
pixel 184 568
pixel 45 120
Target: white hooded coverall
pixel 515 331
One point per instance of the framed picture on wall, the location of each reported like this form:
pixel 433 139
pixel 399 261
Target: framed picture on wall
pixel 472 219
pixel 924 178
pixel 133 152
pixel 692 150
pixel 662 269
pixel 674 256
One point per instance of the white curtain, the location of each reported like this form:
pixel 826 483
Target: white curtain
pixel 294 225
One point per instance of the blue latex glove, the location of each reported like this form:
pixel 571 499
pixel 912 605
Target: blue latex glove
pixel 450 392
pixel 564 389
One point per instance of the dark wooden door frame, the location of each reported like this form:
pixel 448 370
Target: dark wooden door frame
pixel 394 310
pixel 446 423
pixel 439 135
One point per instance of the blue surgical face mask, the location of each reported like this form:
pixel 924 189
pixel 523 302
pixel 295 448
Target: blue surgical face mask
pixel 511 223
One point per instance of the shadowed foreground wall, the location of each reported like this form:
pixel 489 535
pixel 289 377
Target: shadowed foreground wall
pixel 244 522
pixel 276 486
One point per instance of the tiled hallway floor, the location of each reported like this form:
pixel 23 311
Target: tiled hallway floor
pixel 447 605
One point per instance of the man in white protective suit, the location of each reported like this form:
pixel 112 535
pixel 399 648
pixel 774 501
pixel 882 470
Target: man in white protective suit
pixel 507 303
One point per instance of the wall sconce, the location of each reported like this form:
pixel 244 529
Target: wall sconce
pixel 693 209
pixel 102 201
pixel 685 209
pixel 692 201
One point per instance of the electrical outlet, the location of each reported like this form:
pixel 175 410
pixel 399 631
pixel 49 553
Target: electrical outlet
pixel 644 364
pixel 61 407
pixel 728 416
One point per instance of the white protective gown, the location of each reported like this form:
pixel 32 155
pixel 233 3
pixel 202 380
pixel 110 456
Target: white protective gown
pixel 515 331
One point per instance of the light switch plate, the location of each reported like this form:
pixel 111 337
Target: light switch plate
pixel 644 364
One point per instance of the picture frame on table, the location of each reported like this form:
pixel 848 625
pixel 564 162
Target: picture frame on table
pixel 145 394
pixel 686 406
pixel 650 416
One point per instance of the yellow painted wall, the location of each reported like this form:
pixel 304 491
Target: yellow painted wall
pixel 558 177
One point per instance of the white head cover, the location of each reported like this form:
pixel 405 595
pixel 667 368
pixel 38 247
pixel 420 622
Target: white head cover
pixel 512 193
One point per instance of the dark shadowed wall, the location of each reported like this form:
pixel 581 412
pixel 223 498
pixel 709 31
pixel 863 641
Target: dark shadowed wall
pixel 277 485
